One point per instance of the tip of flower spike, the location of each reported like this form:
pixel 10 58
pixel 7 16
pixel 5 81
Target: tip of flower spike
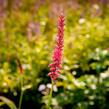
pixel 62 17
pixel 61 14
pixel 61 21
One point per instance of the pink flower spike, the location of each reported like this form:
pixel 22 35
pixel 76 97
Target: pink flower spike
pixel 56 64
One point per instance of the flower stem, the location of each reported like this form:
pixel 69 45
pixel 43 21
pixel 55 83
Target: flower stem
pixel 50 96
pixel 21 95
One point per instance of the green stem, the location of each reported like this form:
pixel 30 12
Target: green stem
pixel 50 96
pixel 21 95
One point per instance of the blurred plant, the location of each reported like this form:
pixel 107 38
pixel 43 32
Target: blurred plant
pixel 8 102
pixel 3 5
pixel 21 70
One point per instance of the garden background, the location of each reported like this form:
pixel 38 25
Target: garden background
pixel 28 30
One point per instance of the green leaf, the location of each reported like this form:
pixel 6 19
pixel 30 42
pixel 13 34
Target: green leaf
pixel 7 102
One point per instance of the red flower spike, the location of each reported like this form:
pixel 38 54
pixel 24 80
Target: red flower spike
pixel 56 64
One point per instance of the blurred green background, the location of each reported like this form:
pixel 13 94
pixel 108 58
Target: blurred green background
pixel 28 31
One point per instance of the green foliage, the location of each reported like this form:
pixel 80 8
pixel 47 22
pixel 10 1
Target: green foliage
pixel 29 34
pixel 8 102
